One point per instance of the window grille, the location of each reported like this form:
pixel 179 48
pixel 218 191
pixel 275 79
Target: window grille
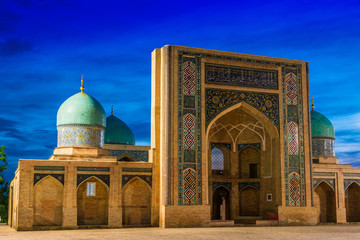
pixel 217 159
pixel 90 189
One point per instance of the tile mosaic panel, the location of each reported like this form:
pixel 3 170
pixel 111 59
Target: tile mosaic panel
pixel 351 174
pixel 324 174
pixel 221 184
pixel 243 185
pixel 293 138
pixel 218 100
pixel 104 178
pixel 189 134
pixel 80 136
pixel 241 76
pixel 295 189
pixel 255 145
pixel 127 178
pixel 323 147
pixel 330 181
pixel 348 182
pixel 225 145
pixel 49 168
pixel 39 176
pixel 291 86
pixel 142 156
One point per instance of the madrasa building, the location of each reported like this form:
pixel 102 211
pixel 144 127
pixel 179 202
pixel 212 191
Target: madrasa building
pixel 233 141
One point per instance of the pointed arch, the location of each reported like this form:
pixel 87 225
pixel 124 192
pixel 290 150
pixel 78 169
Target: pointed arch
pixel 95 177
pixel 352 196
pixel 249 162
pixel 325 202
pixel 221 203
pixel 92 209
pixel 48 202
pixel 136 203
pixel 131 158
pixel 259 116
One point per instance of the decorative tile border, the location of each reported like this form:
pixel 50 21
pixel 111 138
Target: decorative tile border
pixel 348 182
pixel 243 185
pixel 127 178
pixel 137 170
pixel 330 181
pixel 39 176
pixel 255 145
pixel 104 178
pixel 49 168
pixel 225 145
pixel 221 184
pixel 218 100
pixel 351 174
pixel 324 174
pixel 93 169
pixel 241 76
pixel 142 156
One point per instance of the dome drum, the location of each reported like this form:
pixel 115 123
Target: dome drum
pixel 80 136
pixel 323 147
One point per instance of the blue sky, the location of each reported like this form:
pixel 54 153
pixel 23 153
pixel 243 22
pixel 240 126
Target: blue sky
pixel 45 47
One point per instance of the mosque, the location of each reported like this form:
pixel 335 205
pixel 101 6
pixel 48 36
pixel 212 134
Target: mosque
pixel 233 141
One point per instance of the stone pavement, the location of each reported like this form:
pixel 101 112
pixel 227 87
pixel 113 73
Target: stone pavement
pixel 327 232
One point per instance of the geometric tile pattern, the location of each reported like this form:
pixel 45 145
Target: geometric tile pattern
pixel 39 176
pixel 189 134
pixel 351 174
pixel 80 136
pixel 104 178
pixel 189 186
pixel 241 76
pixel 189 131
pixel 142 156
pixel 128 178
pixel 348 182
pixel 323 147
pixel 218 100
pixel 294 189
pixel 293 138
pixel 291 89
pixel 292 103
pixel 49 168
pixel 244 145
pixel 226 145
pixel 330 181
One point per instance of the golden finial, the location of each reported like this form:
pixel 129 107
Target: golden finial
pixel 82 83
pixel 112 110
pixel 312 104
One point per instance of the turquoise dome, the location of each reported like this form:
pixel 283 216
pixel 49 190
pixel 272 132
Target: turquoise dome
pixel 117 132
pixel 81 108
pixel 321 126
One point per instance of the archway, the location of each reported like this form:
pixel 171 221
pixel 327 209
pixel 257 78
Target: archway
pixel 136 203
pixel 249 202
pixel 324 201
pixel 92 202
pixel 221 204
pixel 352 203
pixel 48 202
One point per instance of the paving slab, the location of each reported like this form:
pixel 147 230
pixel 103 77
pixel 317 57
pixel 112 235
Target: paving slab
pixel 327 232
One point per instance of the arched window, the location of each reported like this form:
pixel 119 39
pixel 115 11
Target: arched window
pixel 217 159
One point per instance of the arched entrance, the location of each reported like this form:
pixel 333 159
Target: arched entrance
pixel 136 203
pixel 221 204
pixel 250 153
pixel 352 203
pixel 324 201
pixel 48 202
pixel 92 202
pixel 249 202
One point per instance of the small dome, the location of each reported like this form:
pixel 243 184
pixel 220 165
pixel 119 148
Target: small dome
pixel 117 132
pixel 81 108
pixel 321 126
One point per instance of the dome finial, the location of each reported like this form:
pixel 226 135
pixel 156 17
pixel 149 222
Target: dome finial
pixel 312 104
pixel 82 83
pixel 112 110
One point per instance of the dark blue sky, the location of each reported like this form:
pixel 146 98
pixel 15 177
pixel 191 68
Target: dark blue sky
pixel 45 47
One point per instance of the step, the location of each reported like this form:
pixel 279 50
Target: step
pixel 267 222
pixel 247 219
pixel 221 223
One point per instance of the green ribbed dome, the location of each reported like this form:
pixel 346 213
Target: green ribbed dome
pixel 81 108
pixel 321 126
pixel 117 132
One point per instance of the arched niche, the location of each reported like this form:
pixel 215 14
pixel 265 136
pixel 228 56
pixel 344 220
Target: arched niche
pixel 352 205
pixel 249 201
pixel 325 203
pixel 48 202
pixel 92 204
pixel 220 164
pixel 136 203
pixel 221 204
pixel 249 162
